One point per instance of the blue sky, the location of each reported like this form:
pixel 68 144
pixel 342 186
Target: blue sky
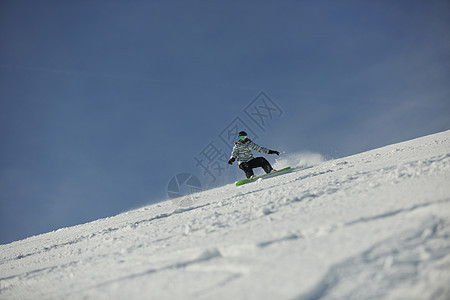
pixel 103 102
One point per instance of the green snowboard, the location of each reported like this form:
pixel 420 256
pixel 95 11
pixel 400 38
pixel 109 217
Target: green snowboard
pixel 241 182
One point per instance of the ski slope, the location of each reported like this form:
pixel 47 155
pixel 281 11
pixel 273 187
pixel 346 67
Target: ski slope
pixel 375 225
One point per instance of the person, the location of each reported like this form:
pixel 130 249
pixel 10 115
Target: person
pixel 242 150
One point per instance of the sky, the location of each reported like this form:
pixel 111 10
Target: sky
pixel 102 103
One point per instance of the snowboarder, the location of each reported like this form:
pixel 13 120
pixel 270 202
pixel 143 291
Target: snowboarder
pixel 242 150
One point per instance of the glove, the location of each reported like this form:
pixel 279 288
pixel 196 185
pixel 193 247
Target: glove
pixel 274 152
pixel 231 160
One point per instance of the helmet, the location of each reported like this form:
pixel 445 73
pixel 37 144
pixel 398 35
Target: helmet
pixel 242 136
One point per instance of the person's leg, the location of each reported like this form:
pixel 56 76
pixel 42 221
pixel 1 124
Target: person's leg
pixel 260 162
pixel 245 166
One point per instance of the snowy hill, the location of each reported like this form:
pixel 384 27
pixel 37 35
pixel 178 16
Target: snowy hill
pixel 370 226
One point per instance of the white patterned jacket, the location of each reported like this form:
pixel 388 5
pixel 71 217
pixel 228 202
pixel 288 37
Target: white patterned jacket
pixel 243 150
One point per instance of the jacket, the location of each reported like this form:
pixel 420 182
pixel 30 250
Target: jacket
pixel 243 150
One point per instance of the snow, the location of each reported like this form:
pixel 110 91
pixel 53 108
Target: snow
pixel 370 226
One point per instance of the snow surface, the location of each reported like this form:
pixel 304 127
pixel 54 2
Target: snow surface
pixel 370 226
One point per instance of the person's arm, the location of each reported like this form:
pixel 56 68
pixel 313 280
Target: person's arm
pixel 234 154
pixel 262 149
pixel 258 148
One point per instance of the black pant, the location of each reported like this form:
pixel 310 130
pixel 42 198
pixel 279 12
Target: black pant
pixel 256 162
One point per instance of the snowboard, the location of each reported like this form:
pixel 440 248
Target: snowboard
pixel 241 182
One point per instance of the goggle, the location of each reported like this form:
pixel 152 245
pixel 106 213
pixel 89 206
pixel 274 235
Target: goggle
pixel 242 137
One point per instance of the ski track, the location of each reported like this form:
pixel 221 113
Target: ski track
pixel 370 226
pixel 393 261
